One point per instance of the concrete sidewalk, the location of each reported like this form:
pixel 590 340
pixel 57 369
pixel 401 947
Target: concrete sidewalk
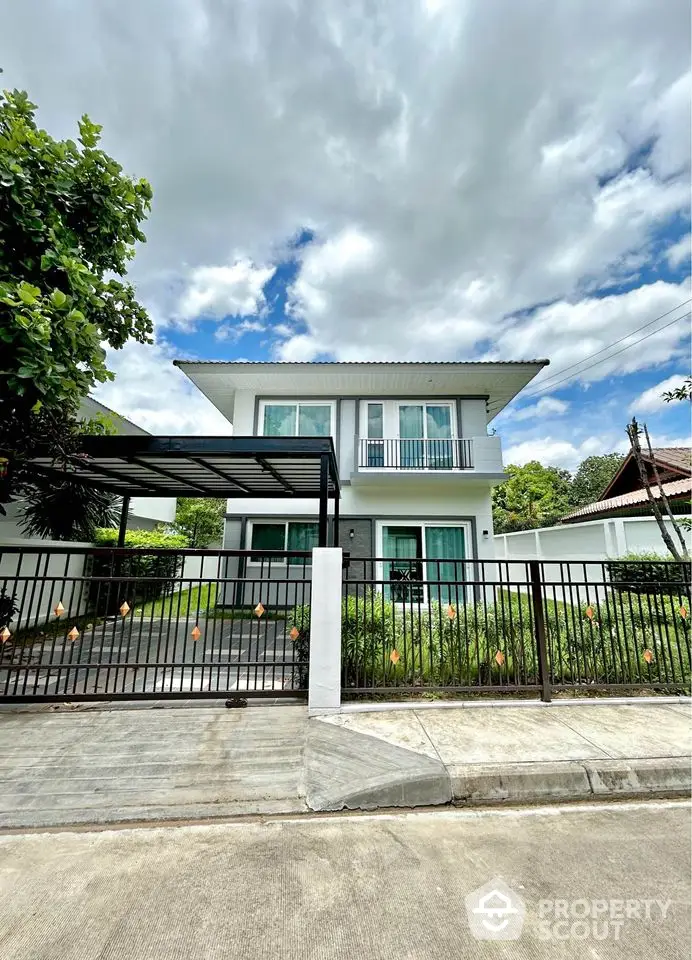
pixel 123 763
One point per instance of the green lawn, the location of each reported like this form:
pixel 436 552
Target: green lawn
pixel 198 602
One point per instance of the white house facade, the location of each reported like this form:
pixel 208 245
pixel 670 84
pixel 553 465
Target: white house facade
pixel 416 463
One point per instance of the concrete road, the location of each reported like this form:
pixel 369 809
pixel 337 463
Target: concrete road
pixel 596 882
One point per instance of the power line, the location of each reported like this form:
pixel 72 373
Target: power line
pixel 547 386
pixel 615 342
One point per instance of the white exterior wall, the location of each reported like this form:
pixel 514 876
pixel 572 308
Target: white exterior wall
pixel 396 495
pixel 474 419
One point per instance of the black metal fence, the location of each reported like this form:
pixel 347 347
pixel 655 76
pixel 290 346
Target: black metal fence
pixel 400 454
pixel 104 624
pixel 520 626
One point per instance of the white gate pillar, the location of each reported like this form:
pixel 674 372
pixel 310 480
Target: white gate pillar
pixel 324 690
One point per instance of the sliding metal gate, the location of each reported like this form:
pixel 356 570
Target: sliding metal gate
pixel 106 624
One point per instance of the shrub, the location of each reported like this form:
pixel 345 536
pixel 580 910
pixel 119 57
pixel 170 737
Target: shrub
pixel 648 573
pixel 8 608
pixel 601 640
pixel 155 573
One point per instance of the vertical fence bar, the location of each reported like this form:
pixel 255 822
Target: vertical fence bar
pixel 539 629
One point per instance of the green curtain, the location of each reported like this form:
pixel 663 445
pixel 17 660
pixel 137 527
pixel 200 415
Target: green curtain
pixel 411 451
pixel 375 423
pixel 301 536
pixel 314 420
pixel 280 420
pixel 438 423
pixel 402 544
pixel 445 544
pixel 268 536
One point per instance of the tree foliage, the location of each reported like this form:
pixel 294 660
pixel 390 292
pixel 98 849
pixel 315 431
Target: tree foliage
pixel 534 496
pixel 200 520
pixel 592 477
pixel 69 220
pixel 683 392
pixel 66 510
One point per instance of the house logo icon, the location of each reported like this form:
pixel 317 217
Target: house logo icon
pixel 495 912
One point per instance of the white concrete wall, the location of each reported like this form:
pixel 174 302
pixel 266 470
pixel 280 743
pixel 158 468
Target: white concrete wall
pixel 592 540
pixel 584 547
pixel 158 509
pixel 37 600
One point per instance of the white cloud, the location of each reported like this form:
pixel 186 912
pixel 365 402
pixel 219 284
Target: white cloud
pixel 558 452
pixel 234 290
pixel 651 400
pixel 680 252
pixel 546 407
pixel 157 396
pixel 228 331
pixel 570 332
pixel 439 208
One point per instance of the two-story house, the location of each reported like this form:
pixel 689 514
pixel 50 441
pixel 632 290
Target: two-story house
pixel 416 463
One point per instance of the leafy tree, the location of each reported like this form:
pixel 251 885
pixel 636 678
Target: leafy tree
pixel 201 521
pixel 534 496
pixel 683 392
pixel 592 477
pixel 69 219
pixel 66 509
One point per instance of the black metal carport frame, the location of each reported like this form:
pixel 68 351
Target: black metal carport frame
pixel 228 467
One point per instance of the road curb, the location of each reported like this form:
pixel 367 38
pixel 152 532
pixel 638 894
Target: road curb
pixel 570 780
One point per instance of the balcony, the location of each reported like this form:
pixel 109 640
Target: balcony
pixel 414 455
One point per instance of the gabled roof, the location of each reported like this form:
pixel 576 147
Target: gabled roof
pixel 497 382
pixel 678 459
pixel 673 490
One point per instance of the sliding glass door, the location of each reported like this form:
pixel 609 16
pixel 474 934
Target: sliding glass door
pixel 403 570
pixel 425 436
pixel 445 551
pixel 424 556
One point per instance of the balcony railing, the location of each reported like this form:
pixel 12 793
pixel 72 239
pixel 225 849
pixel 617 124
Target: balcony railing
pixel 408 454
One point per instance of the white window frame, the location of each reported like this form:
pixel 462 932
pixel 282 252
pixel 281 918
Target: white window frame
pixel 295 402
pixel 274 521
pixel 464 525
pixel 390 429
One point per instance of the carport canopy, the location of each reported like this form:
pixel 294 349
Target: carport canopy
pixel 228 467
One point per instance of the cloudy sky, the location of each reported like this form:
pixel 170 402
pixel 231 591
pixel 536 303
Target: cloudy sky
pixel 395 179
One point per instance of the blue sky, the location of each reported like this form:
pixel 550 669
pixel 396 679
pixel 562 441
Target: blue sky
pixel 419 180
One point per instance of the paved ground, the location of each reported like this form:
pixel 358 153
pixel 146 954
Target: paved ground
pixel 96 764
pixel 145 654
pixel 597 882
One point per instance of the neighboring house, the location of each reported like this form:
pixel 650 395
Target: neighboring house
pixel 625 495
pixel 145 512
pixel 415 460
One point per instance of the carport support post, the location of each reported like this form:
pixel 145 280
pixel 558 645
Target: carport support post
pixel 335 528
pixel 324 688
pixel 324 501
pixel 124 513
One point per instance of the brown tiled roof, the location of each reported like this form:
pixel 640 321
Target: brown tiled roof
pixel 676 488
pixel 679 458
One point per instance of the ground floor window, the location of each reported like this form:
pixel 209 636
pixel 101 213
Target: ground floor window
pixel 423 561
pixel 283 535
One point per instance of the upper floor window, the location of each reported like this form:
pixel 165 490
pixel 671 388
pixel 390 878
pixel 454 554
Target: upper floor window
pixel 299 419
